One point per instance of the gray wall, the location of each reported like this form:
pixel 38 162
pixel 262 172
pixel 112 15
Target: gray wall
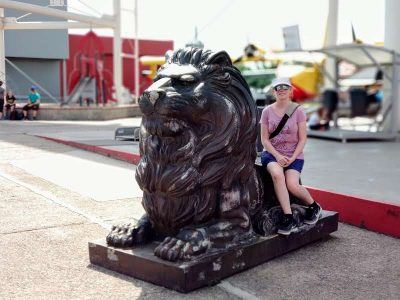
pixel 45 72
pixel 37 52
pixel 36 43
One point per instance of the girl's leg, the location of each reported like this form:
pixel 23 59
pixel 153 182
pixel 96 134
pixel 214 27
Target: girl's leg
pixel 292 182
pixel 278 178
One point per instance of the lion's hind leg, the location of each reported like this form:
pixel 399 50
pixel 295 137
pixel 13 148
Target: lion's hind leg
pixel 127 235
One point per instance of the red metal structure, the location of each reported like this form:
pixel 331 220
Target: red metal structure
pixel 91 56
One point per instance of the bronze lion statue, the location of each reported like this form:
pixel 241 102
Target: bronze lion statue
pixel 201 188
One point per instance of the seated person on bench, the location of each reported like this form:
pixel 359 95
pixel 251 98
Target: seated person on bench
pixel 33 103
pixel 375 97
pixel 10 104
pixel 317 120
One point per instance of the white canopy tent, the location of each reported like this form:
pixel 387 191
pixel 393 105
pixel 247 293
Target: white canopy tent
pixel 367 56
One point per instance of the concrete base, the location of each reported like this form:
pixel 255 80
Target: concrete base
pixel 140 262
pixel 92 113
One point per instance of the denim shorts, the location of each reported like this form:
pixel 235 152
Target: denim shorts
pixel 267 157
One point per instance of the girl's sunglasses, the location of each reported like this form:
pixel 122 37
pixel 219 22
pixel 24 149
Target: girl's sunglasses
pixel 281 87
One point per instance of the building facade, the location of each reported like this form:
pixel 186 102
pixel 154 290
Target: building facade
pixel 34 56
pixel 38 58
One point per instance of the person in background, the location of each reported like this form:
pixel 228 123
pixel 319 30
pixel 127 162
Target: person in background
pixel 2 92
pixel 10 104
pixel 317 120
pixel 374 97
pixel 33 104
pixel 283 154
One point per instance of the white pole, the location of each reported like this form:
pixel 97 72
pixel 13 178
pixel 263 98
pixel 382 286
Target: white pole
pixel 392 42
pixel 2 50
pixel 331 26
pixel 13 25
pixel 65 88
pixel 117 45
pixel 331 40
pixel 137 85
pixel 393 126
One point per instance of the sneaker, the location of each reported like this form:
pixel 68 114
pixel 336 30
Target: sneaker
pixel 312 214
pixel 287 226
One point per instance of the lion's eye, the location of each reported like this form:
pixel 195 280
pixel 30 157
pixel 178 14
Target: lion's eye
pixel 187 77
pixel 182 82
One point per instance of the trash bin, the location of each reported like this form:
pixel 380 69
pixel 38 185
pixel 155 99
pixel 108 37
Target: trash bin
pixel 358 102
pixel 330 101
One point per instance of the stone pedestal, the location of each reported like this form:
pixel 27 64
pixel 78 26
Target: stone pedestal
pixel 140 262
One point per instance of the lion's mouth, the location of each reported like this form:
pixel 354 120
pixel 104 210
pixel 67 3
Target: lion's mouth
pixel 163 127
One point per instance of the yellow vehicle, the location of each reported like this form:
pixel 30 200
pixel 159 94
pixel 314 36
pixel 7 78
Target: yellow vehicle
pixel 260 67
pixel 153 62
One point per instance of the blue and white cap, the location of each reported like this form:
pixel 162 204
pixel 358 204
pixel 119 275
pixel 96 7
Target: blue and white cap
pixel 281 80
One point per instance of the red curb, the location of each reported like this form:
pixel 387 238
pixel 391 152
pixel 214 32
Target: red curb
pixel 128 157
pixel 373 215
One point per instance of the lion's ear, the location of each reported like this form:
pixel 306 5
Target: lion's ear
pixel 168 56
pixel 219 58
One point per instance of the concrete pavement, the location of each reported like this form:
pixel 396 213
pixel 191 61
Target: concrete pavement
pixel 48 218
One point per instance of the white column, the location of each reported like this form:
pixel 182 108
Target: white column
pixel 392 23
pixel 117 50
pixel 2 50
pixel 392 41
pixel 331 40
pixel 137 75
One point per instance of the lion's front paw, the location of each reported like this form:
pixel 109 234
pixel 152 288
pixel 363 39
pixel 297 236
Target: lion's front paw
pixel 127 235
pixel 173 249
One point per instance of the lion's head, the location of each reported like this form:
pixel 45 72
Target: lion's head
pixel 197 136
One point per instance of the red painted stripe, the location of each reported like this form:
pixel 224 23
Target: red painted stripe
pixel 366 213
pixel 120 155
pixel 374 215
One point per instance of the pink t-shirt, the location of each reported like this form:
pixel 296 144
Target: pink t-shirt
pixel 286 141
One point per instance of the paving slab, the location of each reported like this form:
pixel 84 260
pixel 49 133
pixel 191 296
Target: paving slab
pixel 74 170
pixel 108 211
pixel 21 210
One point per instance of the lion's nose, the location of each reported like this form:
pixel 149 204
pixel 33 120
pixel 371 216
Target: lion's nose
pixel 148 100
pixel 154 95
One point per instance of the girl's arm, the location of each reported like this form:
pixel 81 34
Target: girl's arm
pixel 302 140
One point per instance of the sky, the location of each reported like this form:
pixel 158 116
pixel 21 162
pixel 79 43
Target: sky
pixel 231 24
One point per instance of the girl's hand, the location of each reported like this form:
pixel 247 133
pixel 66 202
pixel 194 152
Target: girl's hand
pixel 289 161
pixel 282 160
